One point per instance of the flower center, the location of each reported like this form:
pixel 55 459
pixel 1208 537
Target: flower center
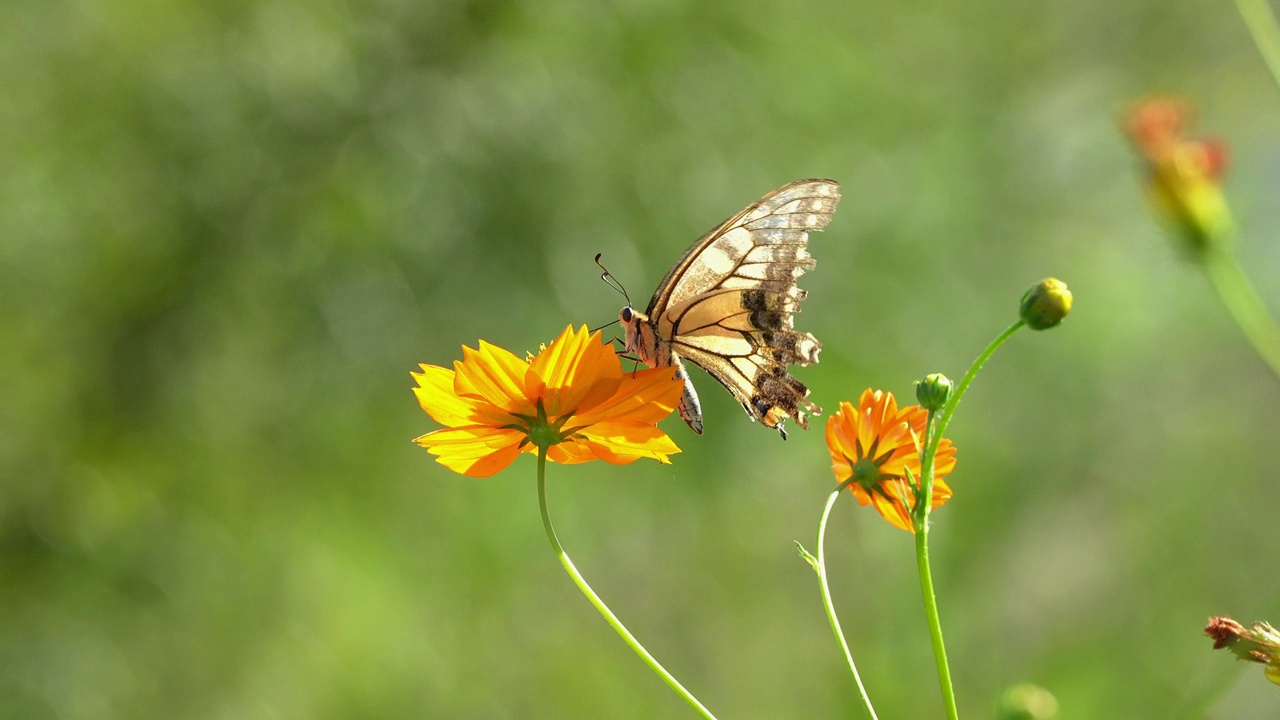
pixel 543 432
pixel 866 473
pixel 542 435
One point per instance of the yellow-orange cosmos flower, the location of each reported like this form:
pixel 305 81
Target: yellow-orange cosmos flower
pixel 875 443
pixel 573 396
pixel 1183 174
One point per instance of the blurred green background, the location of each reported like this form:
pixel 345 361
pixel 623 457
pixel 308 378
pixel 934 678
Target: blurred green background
pixel 229 230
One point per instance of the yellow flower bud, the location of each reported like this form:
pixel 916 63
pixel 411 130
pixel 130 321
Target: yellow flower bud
pixel 1044 305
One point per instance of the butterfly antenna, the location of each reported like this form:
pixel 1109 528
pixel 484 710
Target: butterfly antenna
pixel 615 322
pixel 611 281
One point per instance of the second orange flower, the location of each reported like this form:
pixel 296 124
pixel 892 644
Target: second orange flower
pixel 876 443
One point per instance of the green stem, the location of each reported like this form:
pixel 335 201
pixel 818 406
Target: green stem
pixel 935 426
pixel 1243 303
pixel 931 447
pixel 597 602
pixel 1266 35
pixel 920 518
pixel 826 599
pixel 935 623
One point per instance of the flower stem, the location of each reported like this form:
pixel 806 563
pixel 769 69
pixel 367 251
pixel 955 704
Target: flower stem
pixel 1266 35
pixel 1243 303
pixel 920 517
pixel 934 429
pixel 826 599
pixel 931 448
pixel 597 602
pixel 935 623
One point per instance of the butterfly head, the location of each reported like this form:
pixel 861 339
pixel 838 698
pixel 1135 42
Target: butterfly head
pixel 635 323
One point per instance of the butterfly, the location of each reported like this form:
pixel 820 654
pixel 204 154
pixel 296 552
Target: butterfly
pixel 727 304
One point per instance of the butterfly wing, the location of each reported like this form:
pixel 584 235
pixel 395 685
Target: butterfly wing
pixel 727 305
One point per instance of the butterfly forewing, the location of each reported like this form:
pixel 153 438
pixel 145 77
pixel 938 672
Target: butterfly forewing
pixel 775 227
pixel 727 305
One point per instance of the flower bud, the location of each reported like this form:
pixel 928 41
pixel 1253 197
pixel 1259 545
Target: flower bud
pixel 933 391
pixel 1044 305
pixel 1027 702
pixel 1259 643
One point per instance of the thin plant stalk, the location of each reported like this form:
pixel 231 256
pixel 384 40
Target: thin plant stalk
pixel 1266 34
pixel 821 567
pixel 935 623
pixel 931 447
pixel 1223 268
pixel 1242 301
pixel 598 603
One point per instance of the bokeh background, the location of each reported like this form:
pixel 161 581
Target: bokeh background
pixel 229 230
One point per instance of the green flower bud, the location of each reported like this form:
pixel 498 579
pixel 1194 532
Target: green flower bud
pixel 1027 702
pixel 933 391
pixel 1044 305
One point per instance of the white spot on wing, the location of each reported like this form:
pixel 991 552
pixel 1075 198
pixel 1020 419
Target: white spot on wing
pixel 721 257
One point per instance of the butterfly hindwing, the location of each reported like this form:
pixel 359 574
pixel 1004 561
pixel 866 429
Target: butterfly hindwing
pixel 728 303
pixel 745 339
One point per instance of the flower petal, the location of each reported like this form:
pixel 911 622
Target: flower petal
pixel 941 493
pixel 890 506
pixel 571 452
pixel 436 396
pixel 646 396
pixel 623 442
pixel 476 450
pixel 868 424
pixel 495 375
pixel 840 441
pixel 576 367
pixel 944 461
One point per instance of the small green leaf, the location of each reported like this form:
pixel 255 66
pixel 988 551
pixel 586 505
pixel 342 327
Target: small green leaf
pixel 813 561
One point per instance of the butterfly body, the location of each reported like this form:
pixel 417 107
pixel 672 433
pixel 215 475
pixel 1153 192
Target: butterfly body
pixel 727 307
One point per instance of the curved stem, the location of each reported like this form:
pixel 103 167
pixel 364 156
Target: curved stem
pixel 932 446
pixel 1244 305
pixel 826 599
pixel 1266 35
pixel 597 602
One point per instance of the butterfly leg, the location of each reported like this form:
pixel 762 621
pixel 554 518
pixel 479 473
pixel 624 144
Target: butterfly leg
pixel 625 355
pixel 635 367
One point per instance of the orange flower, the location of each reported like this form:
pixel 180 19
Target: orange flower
pixel 1184 175
pixel 875 443
pixel 573 396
